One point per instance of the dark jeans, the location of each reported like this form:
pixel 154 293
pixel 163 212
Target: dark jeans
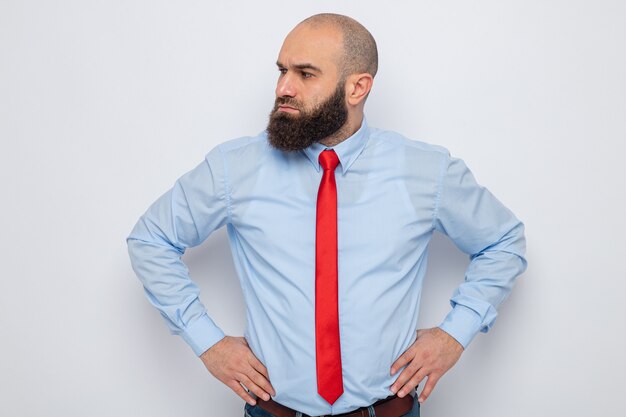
pixel 257 411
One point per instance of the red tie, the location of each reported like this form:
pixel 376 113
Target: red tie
pixel 327 349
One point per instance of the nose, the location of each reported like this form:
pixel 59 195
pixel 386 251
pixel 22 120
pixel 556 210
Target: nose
pixel 285 86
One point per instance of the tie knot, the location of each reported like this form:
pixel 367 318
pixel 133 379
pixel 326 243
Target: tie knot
pixel 329 160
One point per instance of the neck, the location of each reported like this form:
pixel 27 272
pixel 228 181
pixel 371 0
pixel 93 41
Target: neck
pixel 348 129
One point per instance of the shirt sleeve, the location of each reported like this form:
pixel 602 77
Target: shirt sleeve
pixel 183 217
pixel 483 228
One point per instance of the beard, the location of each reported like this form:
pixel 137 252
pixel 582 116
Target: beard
pixel 288 132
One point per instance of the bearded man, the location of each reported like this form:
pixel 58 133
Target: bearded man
pixel 329 222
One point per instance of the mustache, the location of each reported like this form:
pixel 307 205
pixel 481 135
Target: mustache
pixel 287 101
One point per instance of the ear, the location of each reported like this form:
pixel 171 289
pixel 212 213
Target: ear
pixel 358 87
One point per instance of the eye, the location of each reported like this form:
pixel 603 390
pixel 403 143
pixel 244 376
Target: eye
pixel 282 71
pixel 306 74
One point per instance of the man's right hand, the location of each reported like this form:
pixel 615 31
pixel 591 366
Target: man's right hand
pixel 231 361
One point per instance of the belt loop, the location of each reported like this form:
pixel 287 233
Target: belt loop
pixel 371 412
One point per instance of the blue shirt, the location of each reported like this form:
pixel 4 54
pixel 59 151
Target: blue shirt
pixel 393 193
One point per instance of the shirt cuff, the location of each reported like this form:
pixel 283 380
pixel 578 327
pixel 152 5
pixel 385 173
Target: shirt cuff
pixel 462 323
pixel 202 334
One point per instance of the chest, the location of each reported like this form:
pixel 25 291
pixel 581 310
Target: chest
pixel 377 210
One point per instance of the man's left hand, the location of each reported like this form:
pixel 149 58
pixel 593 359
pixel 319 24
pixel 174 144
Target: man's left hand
pixel 431 355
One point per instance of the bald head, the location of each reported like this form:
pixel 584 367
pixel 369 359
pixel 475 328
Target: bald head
pixel 359 53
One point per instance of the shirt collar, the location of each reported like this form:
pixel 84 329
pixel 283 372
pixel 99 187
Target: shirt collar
pixel 347 151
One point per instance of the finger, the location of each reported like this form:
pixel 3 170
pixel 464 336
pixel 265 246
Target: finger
pixel 262 370
pixel 260 380
pixel 404 376
pixel 428 388
pixel 412 383
pixel 401 361
pixel 239 390
pixel 256 364
pixel 253 387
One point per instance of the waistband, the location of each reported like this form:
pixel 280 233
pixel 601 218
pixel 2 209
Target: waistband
pixel 393 406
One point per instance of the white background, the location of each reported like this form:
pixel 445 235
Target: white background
pixel 103 104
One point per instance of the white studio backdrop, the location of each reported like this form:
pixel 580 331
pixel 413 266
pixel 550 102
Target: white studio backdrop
pixel 103 104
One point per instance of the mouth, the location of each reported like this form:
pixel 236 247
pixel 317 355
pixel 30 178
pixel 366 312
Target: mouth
pixel 287 109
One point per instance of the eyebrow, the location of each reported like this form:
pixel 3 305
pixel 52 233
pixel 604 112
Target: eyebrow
pixel 301 66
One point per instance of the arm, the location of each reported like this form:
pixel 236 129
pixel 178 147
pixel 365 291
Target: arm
pixel 494 238
pixel 184 217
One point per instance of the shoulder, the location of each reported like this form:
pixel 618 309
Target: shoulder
pixel 242 148
pixel 389 138
pixel 243 144
pixel 381 140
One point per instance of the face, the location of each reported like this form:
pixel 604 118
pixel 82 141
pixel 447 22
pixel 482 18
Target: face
pixel 310 97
